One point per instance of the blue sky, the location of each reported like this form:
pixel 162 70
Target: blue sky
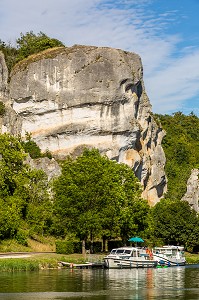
pixel 165 33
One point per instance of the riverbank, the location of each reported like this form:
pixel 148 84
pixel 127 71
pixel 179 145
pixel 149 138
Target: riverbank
pixel 37 261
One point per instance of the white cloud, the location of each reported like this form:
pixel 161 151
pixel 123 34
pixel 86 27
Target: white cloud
pixel 129 25
pixel 176 83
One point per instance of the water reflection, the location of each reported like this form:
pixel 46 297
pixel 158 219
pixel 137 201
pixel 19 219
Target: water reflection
pixel 135 284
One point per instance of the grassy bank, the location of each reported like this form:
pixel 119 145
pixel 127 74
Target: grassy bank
pixel 192 258
pixel 39 261
pixel 38 244
pixel 51 260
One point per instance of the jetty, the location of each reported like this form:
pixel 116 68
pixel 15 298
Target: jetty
pixel 93 262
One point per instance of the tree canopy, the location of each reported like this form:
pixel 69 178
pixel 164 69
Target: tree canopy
pixel 27 44
pixel 174 222
pixel 31 43
pixel 24 198
pixel 95 196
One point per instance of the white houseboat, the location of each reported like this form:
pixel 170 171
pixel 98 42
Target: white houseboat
pixel 130 257
pixel 169 255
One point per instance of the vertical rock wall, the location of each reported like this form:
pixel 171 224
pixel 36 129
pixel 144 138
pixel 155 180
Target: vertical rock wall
pixel 72 98
pixel 192 194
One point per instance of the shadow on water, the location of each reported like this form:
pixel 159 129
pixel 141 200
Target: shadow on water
pixel 135 284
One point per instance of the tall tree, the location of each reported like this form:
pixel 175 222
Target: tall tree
pixel 93 197
pixel 174 222
pixel 23 192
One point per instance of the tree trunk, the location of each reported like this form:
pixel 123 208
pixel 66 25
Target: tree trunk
pixel 91 248
pixel 104 244
pixel 83 247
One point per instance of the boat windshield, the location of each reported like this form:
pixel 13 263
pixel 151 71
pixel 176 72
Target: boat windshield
pixel 119 251
pixel 127 251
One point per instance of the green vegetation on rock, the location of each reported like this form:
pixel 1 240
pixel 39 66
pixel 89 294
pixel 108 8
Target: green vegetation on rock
pixel 26 45
pixel 181 147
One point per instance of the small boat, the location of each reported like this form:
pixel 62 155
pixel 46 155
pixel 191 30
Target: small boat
pixel 130 257
pixel 169 255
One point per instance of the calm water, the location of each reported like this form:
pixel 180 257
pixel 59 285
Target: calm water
pixel 170 283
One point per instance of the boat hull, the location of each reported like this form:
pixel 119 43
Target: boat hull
pixel 169 261
pixel 114 263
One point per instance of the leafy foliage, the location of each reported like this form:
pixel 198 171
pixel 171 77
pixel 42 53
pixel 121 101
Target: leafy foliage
pixel 31 147
pixel 10 54
pixel 181 146
pixel 174 222
pixel 97 197
pixel 23 192
pixel 31 43
pixel 27 44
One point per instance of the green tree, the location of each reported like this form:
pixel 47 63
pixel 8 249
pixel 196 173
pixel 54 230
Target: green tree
pixel 27 44
pixel 24 193
pixel 173 222
pixel 31 43
pixel 10 54
pixel 31 147
pixel 181 146
pixel 93 196
pixel 10 216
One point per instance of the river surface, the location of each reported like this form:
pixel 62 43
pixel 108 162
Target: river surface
pixel 98 284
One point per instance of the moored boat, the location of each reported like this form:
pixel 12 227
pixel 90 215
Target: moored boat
pixel 169 255
pixel 130 257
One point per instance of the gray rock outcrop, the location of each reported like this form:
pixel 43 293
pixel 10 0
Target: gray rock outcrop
pixel 192 194
pixel 49 166
pixel 3 78
pixel 83 96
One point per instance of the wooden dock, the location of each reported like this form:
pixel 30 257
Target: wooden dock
pixel 87 265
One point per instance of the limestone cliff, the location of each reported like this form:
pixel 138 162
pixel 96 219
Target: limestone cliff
pixel 192 194
pixel 83 96
pixel 3 77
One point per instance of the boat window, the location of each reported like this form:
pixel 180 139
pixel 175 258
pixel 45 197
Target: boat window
pixel 120 251
pixel 113 251
pixel 127 251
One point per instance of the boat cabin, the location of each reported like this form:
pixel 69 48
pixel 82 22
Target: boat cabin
pixel 169 250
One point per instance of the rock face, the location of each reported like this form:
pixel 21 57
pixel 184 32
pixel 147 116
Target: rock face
pixel 72 98
pixel 49 166
pixel 192 194
pixel 3 77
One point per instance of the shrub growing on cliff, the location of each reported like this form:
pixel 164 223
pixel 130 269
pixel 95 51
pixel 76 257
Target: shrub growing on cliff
pixel 31 43
pixel 10 54
pixel 31 147
pixel 28 43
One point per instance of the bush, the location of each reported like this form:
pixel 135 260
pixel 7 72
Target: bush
pixel 64 247
pixel 21 238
